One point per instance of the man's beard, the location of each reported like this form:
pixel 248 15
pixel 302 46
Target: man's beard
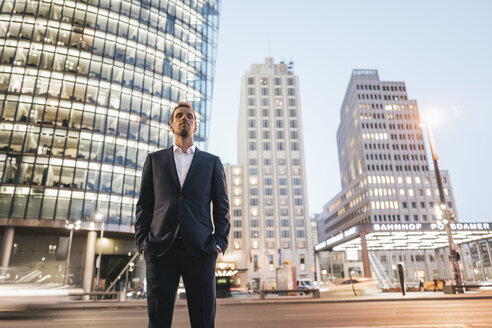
pixel 184 132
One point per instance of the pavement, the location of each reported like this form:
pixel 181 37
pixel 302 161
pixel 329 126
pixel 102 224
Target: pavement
pixel 326 297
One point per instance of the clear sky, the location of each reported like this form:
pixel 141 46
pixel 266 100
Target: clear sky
pixel 442 50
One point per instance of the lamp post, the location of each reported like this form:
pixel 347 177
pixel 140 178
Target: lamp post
pixel 443 214
pixel 70 225
pixel 100 218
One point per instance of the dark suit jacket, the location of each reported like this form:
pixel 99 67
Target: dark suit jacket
pixel 163 205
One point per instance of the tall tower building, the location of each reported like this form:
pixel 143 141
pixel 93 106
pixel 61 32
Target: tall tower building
pixel 234 263
pixel 275 213
pixel 384 168
pixel 86 89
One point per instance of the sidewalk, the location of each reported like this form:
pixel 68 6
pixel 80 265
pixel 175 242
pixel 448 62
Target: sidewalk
pixel 326 297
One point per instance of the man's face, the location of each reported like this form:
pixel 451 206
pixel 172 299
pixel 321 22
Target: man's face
pixel 184 124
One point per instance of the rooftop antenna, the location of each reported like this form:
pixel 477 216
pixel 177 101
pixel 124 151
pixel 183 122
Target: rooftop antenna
pixel 269 47
pixel 291 65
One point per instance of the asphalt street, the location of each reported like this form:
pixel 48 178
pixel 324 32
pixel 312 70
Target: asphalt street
pixel 387 314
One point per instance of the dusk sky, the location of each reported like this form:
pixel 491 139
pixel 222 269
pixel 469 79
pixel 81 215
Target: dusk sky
pixel 442 50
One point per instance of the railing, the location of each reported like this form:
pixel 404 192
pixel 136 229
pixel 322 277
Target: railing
pixel 111 294
pixel 117 295
pixel 118 277
pixel 383 276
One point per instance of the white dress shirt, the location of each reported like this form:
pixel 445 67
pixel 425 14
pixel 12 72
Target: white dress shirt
pixel 183 161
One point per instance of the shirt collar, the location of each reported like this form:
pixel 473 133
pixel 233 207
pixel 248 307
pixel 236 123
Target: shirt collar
pixel 191 150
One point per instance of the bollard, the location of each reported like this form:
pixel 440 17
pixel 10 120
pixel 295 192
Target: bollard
pixel 402 279
pixel 122 296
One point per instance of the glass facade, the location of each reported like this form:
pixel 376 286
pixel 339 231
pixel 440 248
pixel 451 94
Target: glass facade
pixel 86 89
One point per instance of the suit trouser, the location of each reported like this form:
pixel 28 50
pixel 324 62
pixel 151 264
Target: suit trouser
pixel 163 275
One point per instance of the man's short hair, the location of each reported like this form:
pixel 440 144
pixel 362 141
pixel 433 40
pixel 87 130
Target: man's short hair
pixel 179 105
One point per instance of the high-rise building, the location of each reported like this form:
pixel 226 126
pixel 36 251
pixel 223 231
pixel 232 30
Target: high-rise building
pixel 384 168
pixel 234 264
pixel 86 90
pixel 275 222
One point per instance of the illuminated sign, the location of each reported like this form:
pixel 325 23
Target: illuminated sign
pixel 397 226
pixel 320 246
pixel 426 227
pixel 462 226
pixel 337 238
pixel 334 239
pixel 350 232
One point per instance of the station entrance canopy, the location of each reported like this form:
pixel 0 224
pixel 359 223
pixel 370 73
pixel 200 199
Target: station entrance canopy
pixel 390 236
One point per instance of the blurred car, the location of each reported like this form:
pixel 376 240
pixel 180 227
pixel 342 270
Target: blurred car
pixel 22 290
pixel 139 292
pixel 304 284
pixel 343 287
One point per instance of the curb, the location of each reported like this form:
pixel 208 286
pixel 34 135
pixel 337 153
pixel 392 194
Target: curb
pixel 143 305
pixel 331 301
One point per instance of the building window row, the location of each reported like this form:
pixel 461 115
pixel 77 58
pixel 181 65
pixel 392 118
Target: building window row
pixel 299 211
pixel 73 144
pixel 404 136
pixel 371 106
pixel 394 88
pixel 387 218
pixel 368 96
pixel 380 157
pixel 373 125
pixel 375 135
pixel 379 167
pixel 46 118
pixel 367 87
pixel 404 126
pixel 408 147
pixel 376 205
pixel 136 28
pixel 422 204
pixel 396 107
pixel 395 98
pixel 412 168
pixel 382 192
pixel 410 157
pixel 48 64
pixel 74 175
pixel 264 81
pixel 62 204
pixel 376 146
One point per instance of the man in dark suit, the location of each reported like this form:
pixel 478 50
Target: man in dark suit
pixel 174 229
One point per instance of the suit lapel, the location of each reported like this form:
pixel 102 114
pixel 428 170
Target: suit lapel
pixel 194 164
pixel 172 166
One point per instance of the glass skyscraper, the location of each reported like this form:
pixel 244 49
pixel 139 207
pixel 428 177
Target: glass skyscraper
pixel 86 89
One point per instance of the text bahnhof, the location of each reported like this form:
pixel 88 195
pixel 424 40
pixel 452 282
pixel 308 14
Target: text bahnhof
pixel 427 227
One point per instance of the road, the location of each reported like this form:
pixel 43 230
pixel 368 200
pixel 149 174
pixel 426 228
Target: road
pixel 387 314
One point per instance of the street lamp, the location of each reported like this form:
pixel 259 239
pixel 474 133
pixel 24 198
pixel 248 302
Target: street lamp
pixel 70 225
pixel 443 214
pixel 99 218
